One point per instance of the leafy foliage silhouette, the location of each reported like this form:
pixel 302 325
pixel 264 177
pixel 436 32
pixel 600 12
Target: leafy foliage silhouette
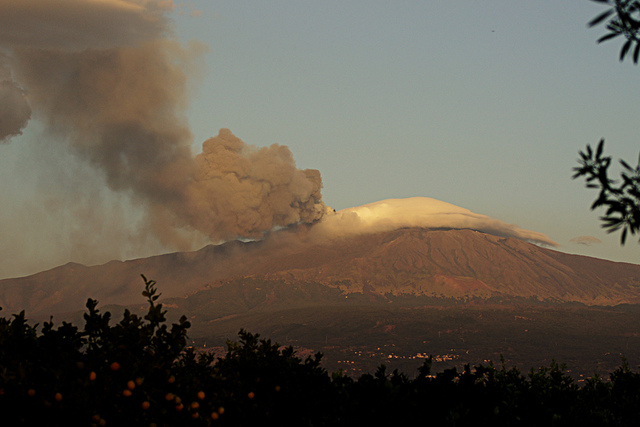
pixel 620 198
pixel 623 18
pixel 140 372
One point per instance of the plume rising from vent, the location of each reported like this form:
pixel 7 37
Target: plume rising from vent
pixel 109 78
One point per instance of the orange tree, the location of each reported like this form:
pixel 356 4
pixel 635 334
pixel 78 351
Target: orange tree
pixel 140 372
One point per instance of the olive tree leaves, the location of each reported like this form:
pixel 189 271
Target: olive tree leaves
pixel 621 197
pixel 622 18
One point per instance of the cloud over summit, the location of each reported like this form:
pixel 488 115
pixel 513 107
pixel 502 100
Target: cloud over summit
pixel 391 214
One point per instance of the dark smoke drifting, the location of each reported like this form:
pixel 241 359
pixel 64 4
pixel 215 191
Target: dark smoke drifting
pixel 107 77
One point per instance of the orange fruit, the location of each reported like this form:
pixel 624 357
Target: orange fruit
pixel 145 405
pixel 115 366
pixel 126 393
pixel 31 392
pixel 58 397
pixel 251 395
pixel 201 395
pixel 131 385
pixel 195 405
pixel 214 416
pixel 92 376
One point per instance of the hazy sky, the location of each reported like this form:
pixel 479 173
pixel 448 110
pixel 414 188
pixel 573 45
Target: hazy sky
pixel 483 105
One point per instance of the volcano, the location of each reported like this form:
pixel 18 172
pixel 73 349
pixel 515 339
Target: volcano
pixel 375 285
pixel 438 263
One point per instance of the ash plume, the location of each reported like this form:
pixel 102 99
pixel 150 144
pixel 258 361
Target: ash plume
pixel 108 78
pixel 14 110
pixel 249 190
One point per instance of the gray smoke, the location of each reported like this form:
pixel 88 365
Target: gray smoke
pixel 14 110
pixel 109 78
pixel 244 190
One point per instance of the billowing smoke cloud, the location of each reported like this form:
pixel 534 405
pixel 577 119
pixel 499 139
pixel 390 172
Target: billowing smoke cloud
pixel 244 190
pixel 107 77
pixel 81 24
pixel 64 26
pixel 392 214
pixel 14 110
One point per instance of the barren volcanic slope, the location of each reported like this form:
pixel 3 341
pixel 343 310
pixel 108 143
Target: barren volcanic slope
pixel 410 261
pixel 457 263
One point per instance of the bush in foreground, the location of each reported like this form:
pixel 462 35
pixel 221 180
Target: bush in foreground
pixel 140 372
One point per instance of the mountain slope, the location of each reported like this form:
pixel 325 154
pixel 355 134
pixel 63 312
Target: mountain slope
pixel 410 261
pixel 458 263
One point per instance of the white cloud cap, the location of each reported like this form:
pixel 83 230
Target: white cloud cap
pixel 392 214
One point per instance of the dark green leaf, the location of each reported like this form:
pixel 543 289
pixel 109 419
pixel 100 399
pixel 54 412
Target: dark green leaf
pixel 598 19
pixel 625 49
pixel 625 164
pixel 600 149
pixel 597 203
pixel 608 37
pixel 611 228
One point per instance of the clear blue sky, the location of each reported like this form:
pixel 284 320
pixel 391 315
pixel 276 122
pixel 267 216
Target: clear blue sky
pixel 484 105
